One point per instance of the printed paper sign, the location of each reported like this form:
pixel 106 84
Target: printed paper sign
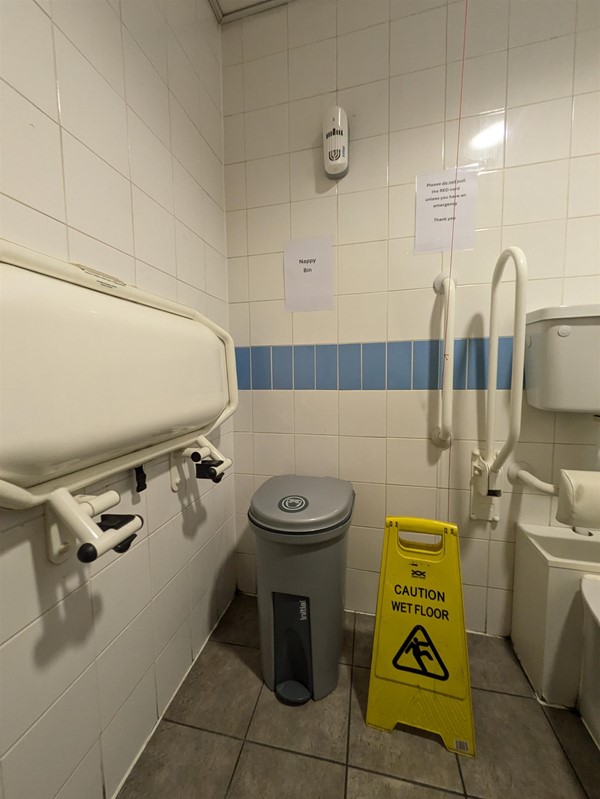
pixel 446 211
pixel 308 274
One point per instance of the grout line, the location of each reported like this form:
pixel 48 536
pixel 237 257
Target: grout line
pixel 460 773
pixel 351 670
pixel 449 791
pixel 566 754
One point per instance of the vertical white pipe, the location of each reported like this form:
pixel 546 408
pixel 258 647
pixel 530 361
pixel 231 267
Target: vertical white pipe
pixel 442 435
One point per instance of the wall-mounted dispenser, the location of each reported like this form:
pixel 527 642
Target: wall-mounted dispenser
pixel 335 142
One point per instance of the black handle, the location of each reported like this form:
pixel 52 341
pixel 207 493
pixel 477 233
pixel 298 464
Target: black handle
pixel 140 479
pixel 206 470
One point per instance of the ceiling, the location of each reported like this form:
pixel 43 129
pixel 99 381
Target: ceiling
pixel 229 10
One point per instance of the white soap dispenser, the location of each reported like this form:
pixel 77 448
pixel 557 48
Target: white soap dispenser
pixel 335 142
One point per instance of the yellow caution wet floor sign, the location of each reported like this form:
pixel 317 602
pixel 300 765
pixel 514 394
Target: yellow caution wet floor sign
pixel 420 666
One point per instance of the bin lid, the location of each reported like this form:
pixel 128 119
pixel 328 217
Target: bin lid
pixel 294 503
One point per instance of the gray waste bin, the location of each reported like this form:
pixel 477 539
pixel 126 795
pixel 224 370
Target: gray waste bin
pixel 301 525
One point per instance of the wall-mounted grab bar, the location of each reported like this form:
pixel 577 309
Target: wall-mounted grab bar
pixel 442 435
pixel 486 468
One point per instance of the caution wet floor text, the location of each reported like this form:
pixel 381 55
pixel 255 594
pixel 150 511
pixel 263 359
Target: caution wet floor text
pixel 420 667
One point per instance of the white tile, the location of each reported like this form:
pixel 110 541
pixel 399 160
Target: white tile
pixel 410 413
pixel 481 141
pixel 577 428
pixel 362 457
pixel 316 412
pixel 244 452
pixel 584 186
pixel 486 26
pixel 169 609
pixel 581 290
pixel 119 593
pixel 535 193
pixel 410 270
pixel 56 744
pixel 363 56
pixel 502 556
pixel 91 252
pixel 362 316
pixel 237 233
pixel 411 462
pixel 477 265
pixel 202 568
pixel 364 548
pixel 265 82
pixel 475 602
pixel 190 202
pixel 203 620
pixel 154 281
pixel 172 665
pixel 265 277
pixel 410 314
pixel 242 421
pixel 214 225
pixel 414 151
pixel 537 20
pixel 86 780
pixel 483 86
pixel 543 244
pixel 30 166
pixel 316 455
pixel 362 413
pixel 273 411
pixel 273 453
pixel 268 181
pixel 305 122
pixel 41 661
pixel 474 561
pixel 169 552
pixel 239 324
pixel 540 71
pixel 183 81
pixel 150 161
pixel 573 456
pixel 187 145
pixel 27 60
pixel 98 197
pixel 147 25
pixel 233 138
pixel 233 89
pixel 307 176
pixel 90 108
pixel 362 268
pixel 29 585
pixel 264 33
pixel 124 738
pixel 490 194
pixel 362 216
pixel 352 15
pixel 370 165
pixel 417 98
pixel 270 323
pixel 310 21
pixel 369 505
pixel 314 218
pixel 235 187
pixel 216 273
pixel 316 327
pixel 245 567
pixel 418 42
pixel 583 235
pixel 190 256
pixel 32 229
pixel 588 15
pixel 266 132
pixel 123 664
pixel 401 211
pixel 153 232
pixel 367 109
pixel 95 30
pixel 268 228
pixel 539 132
pixel 587 62
pixel 406 8
pixel 361 590
pixel 411 501
pixel 312 69
pixel 499 612
pixel 586 124
pixel 147 93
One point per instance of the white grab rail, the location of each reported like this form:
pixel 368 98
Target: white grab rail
pixel 442 435
pixel 486 469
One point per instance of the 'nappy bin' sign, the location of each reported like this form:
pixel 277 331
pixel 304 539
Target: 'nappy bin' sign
pixel 420 666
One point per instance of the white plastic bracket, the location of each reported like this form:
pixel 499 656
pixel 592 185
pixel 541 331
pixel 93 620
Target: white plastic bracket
pixel 204 450
pixel 486 490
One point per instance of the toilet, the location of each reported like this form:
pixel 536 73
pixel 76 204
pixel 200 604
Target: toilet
pixel 589 689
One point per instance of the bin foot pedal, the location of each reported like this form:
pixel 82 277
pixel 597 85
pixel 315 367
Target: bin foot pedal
pixel 290 692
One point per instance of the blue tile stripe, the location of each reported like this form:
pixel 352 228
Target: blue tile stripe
pixel 376 366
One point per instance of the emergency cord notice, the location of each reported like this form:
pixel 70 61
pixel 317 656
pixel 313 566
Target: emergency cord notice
pixel 433 598
pixel 445 211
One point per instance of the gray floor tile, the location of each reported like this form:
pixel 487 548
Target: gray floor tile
pixel 264 773
pixel 397 753
pixel 495 667
pixel 220 691
pixel 518 755
pixel 579 746
pixel 366 785
pixel 348 639
pixel 316 728
pixel 239 625
pixel 184 763
pixel 364 628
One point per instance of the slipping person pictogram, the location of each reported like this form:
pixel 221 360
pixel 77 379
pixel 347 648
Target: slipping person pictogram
pixel 418 655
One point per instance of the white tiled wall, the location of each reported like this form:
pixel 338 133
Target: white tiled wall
pixel 111 155
pixel 529 115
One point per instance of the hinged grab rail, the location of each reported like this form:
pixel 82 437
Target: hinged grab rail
pixel 442 435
